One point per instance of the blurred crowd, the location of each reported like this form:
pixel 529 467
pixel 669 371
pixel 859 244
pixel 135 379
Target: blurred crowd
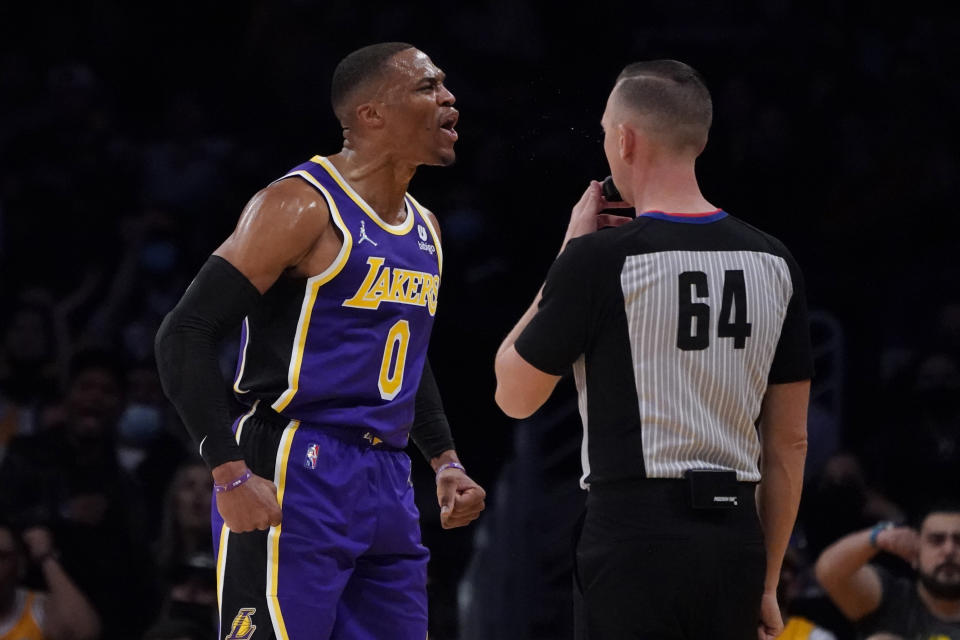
pixel 130 140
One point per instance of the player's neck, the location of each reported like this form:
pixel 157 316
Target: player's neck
pixel 381 182
pixel 669 187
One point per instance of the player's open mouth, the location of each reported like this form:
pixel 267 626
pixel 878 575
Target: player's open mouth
pixel 448 123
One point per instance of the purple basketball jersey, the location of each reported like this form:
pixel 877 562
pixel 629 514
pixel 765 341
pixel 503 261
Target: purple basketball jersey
pixel 347 347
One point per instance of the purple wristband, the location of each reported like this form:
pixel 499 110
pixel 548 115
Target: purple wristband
pixel 233 484
pixel 449 465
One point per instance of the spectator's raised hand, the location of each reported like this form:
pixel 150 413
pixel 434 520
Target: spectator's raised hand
pixel 900 541
pixel 39 542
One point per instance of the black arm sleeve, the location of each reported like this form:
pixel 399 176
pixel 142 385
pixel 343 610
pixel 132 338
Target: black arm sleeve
pixel 430 431
pixel 186 347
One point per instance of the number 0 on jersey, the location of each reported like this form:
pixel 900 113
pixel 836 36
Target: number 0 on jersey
pixel 390 381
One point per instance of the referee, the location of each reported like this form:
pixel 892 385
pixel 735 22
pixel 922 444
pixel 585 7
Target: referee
pixel 687 332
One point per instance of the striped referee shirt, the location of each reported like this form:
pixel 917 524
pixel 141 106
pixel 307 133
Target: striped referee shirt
pixel 674 325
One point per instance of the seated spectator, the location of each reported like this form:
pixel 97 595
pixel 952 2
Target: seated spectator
pixel 151 438
pixel 69 478
pixel 60 613
pixel 927 605
pixel 185 530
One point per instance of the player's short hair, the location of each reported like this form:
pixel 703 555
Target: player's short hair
pixel 672 97
pixel 358 68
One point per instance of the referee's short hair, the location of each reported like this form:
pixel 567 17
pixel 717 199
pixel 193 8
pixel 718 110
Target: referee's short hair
pixel 357 69
pixel 673 100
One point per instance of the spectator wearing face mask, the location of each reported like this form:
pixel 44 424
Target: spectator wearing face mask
pixel 926 605
pixel 146 284
pixel 152 441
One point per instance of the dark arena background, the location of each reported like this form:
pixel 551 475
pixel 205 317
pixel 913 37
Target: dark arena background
pixel 132 135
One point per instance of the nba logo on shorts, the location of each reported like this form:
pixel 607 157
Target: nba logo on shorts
pixel 422 232
pixel 242 627
pixel 312 452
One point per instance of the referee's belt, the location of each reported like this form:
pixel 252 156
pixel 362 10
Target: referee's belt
pixel 702 488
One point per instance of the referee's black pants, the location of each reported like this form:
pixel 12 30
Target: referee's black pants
pixel 649 566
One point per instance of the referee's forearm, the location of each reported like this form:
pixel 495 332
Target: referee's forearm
pixel 778 499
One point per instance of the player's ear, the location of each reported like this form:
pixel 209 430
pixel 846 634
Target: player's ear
pixel 370 114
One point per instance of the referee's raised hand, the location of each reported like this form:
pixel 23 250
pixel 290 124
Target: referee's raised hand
pixel 586 216
pixel 251 505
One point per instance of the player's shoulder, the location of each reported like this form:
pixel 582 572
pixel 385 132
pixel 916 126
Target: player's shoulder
pixel 290 192
pixel 290 204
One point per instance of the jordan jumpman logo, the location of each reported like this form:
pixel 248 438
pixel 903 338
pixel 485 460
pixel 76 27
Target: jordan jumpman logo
pixel 364 236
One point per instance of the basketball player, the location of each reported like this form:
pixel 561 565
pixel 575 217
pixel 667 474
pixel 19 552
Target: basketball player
pixel 683 326
pixel 334 272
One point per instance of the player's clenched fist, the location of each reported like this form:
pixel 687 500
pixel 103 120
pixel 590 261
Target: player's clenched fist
pixel 251 505
pixel 461 499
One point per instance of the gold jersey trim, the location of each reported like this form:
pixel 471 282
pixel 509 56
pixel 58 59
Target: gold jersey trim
pixel 433 232
pixel 273 538
pixel 398 230
pixel 310 295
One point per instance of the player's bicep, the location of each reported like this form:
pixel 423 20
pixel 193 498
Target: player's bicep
pixel 277 229
pixel 521 387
